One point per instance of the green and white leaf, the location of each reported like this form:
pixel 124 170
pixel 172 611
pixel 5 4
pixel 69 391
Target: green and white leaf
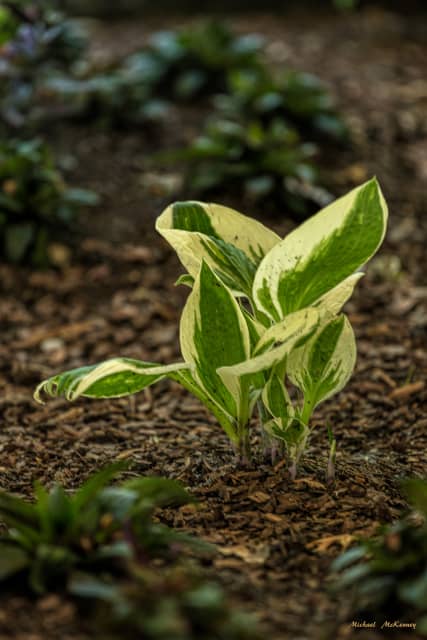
pixel 284 424
pixel 111 379
pixel 227 421
pixel 321 252
pixel 323 366
pixel 294 325
pixel 214 334
pixel 299 326
pixel 256 329
pixel 334 300
pixel 279 405
pixel 186 280
pixel 231 243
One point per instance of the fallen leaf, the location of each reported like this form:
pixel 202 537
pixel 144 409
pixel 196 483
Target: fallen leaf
pixel 257 556
pixel 322 544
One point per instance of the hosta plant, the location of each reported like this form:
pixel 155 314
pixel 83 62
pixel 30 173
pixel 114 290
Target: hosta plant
pixel 98 529
pixel 385 577
pixel 35 201
pixel 263 313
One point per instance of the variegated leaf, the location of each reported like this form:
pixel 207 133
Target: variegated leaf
pixel 278 403
pixel 110 379
pixel 214 334
pixel 328 305
pixel 334 300
pixel 293 325
pixel 123 376
pixel 256 329
pixel 323 366
pixel 232 244
pixel 321 252
pixel 227 421
pixel 285 423
pixel 300 325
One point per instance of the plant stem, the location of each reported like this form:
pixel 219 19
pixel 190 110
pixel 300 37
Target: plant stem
pixel 293 470
pixel 274 452
pixel 306 412
pixel 304 419
pixel 330 473
pixel 265 437
pixel 243 451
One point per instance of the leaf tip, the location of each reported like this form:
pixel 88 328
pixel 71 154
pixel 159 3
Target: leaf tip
pixel 38 391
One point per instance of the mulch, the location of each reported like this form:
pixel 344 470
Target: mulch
pixel 275 538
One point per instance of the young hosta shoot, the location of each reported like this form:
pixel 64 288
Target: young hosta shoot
pixel 263 313
pixel 214 337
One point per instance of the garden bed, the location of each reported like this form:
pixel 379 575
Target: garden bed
pixel 276 538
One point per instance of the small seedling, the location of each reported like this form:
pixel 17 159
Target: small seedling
pixel 262 313
pixel 330 474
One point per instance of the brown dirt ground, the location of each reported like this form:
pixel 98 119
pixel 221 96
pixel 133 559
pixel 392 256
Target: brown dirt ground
pixel 276 538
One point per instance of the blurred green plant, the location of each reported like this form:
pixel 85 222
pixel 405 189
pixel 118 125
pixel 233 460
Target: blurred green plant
pixel 299 99
pixel 111 98
pixel 255 160
pixel 98 529
pixel 346 5
pixel 256 140
pixel 39 33
pixel 8 25
pixel 194 61
pixel 35 202
pixel 386 576
pixel 103 544
pixel 164 603
pixel 35 41
pixel 202 61
pixel 174 66
pixel 261 139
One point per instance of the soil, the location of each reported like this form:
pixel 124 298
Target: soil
pixel 276 538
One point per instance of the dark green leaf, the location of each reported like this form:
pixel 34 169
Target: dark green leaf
pixel 12 560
